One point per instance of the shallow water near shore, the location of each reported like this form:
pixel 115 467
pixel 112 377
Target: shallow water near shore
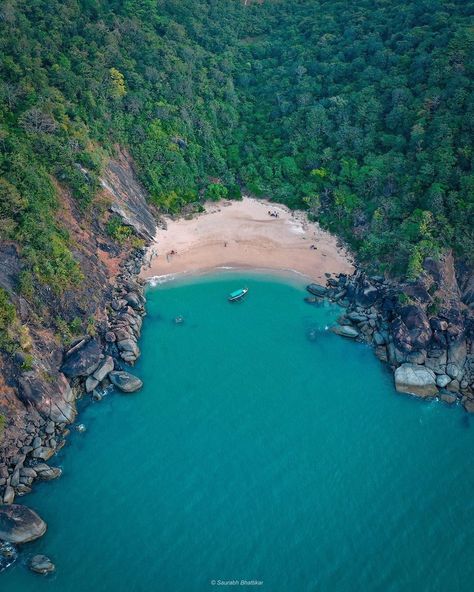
pixel 262 447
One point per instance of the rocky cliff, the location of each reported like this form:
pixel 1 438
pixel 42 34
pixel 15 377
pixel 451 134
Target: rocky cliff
pixel 38 390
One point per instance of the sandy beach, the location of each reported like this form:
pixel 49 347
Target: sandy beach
pixel 242 234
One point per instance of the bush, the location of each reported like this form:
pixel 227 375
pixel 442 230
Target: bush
pixel 3 423
pixel 216 191
pixel 117 230
pixel 234 192
pixel 8 319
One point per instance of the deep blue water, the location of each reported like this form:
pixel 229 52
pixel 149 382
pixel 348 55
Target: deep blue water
pixel 254 452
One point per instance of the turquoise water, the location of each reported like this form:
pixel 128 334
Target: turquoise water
pixel 262 447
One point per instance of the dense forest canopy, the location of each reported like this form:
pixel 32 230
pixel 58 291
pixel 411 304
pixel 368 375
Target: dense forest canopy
pixel 362 112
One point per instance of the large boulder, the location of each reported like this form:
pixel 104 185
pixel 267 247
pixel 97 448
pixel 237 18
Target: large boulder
pixel 83 359
pixel 415 380
pixel 317 290
pixel 104 369
pixel 412 330
pixel 457 353
pixel 367 296
pixel 129 199
pixel 345 331
pixel 124 381
pixel 47 473
pixel 437 363
pixel 9 495
pixel 43 452
pixel 52 397
pixel 19 524
pixel 129 345
pixel 134 300
pixel 41 564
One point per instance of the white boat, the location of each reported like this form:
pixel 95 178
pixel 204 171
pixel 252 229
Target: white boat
pixel 237 295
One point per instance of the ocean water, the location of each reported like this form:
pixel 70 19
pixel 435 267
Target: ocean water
pixel 262 448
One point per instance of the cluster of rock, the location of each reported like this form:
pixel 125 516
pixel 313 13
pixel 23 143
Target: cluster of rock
pixel 125 320
pixel 423 329
pixel 90 365
pixel 18 525
pixel 38 399
pixel 28 465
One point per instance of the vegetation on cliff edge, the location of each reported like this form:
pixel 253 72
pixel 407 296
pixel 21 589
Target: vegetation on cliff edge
pixel 361 112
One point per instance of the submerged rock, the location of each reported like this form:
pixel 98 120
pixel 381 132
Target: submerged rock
pixel 41 564
pixel 448 398
pixel 317 290
pixel 469 405
pixel 8 555
pixel 415 380
pixel 126 382
pixel 19 524
pixel 96 395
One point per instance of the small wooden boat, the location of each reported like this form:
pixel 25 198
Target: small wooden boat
pixel 237 295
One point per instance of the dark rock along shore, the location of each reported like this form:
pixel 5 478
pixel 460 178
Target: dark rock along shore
pixel 424 329
pixel 43 400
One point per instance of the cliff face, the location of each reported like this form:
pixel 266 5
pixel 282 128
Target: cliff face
pixel 128 196
pixel 37 399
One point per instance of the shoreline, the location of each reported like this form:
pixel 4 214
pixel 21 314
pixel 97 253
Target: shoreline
pixel 401 335
pixel 247 234
pixel 290 275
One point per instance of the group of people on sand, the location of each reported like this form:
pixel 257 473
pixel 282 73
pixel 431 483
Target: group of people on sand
pixel 154 253
pixel 273 214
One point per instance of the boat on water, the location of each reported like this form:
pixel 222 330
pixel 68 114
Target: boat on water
pixel 237 295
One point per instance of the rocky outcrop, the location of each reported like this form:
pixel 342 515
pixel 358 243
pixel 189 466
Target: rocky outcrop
pixel 317 290
pixel 415 380
pixel 126 382
pixel 41 564
pixel 38 391
pixel 345 331
pixel 53 398
pixel 19 524
pixel 104 369
pixel 46 473
pixel 129 197
pixel 125 320
pixel 82 359
pixel 423 329
pixel 89 364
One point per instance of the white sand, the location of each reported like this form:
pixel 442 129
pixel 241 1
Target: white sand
pixel 241 234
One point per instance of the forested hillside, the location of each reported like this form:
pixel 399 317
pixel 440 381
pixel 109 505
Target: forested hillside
pixel 362 112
